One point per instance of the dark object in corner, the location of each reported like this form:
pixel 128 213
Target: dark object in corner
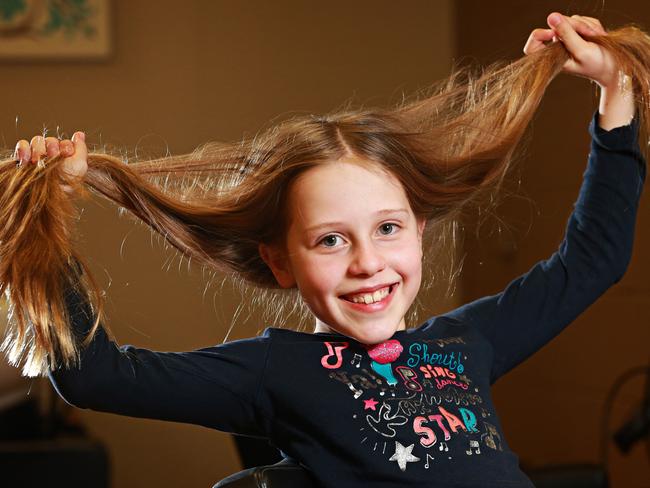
pixel 49 450
pixel 56 463
pixel 569 476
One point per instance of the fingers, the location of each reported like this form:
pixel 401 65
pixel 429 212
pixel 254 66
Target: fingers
pixel 79 142
pixel 595 25
pixel 567 30
pixel 537 39
pixel 22 152
pixel 52 147
pixel 570 30
pixel 40 147
pixel 67 148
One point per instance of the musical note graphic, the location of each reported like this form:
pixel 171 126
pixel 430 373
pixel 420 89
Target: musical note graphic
pixel 357 393
pixel 491 437
pixel 356 359
pixel 426 466
pixel 443 446
pixel 333 350
pixel 409 376
pixel 473 445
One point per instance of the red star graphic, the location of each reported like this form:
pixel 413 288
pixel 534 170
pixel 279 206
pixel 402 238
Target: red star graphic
pixel 370 404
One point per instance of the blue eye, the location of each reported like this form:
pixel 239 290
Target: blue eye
pixel 330 240
pixel 390 228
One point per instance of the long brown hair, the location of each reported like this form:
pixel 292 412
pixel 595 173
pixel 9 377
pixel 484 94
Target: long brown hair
pixel 450 147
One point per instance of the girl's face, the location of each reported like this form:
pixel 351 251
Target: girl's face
pixel 353 249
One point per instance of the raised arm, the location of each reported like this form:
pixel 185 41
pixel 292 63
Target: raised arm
pixel 216 387
pixel 596 248
pixel 593 256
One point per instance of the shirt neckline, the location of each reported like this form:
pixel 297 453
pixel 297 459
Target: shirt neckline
pixel 338 335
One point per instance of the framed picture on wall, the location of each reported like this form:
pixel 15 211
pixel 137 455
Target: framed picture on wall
pixel 54 29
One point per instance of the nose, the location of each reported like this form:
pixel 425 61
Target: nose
pixel 366 260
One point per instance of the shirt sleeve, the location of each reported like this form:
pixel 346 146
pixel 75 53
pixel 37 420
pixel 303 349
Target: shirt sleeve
pixel 593 255
pixel 215 387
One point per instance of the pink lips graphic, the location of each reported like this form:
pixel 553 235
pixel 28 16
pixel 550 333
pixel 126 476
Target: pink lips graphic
pixel 386 352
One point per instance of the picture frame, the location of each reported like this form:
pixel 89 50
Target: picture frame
pixel 55 29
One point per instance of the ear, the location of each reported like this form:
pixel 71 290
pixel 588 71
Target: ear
pixel 276 260
pixel 422 223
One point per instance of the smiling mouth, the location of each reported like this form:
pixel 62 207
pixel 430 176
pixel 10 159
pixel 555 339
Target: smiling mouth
pixel 370 298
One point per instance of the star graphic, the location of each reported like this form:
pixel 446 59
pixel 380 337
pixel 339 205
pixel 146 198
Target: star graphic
pixel 403 455
pixel 370 404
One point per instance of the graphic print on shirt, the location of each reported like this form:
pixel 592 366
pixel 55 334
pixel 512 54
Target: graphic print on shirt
pixel 415 406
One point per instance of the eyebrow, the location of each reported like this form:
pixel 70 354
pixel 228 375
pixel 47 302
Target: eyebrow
pixel 378 213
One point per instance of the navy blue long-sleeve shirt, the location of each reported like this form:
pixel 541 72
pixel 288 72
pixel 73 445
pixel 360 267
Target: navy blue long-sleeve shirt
pixel 413 411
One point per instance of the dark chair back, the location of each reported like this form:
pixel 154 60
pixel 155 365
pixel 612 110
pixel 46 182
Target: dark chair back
pixel 280 475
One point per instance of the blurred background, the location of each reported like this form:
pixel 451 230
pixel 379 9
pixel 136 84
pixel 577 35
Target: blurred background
pixel 172 75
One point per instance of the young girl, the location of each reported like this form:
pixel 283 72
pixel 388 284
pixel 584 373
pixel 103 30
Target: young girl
pixel 337 207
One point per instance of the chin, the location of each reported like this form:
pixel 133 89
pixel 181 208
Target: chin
pixel 375 336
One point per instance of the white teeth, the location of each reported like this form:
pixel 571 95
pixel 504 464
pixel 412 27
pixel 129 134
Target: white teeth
pixel 369 298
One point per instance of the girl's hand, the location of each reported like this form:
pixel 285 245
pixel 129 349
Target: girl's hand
pixel 588 59
pixel 75 152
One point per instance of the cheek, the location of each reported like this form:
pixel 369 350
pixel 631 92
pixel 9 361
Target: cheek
pixel 321 275
pixel 413 274
pixel 408 264
pixel 414 268
pixel 409 257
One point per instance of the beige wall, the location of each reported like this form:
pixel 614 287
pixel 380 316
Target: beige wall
pixel 183 73
pixel 551 406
